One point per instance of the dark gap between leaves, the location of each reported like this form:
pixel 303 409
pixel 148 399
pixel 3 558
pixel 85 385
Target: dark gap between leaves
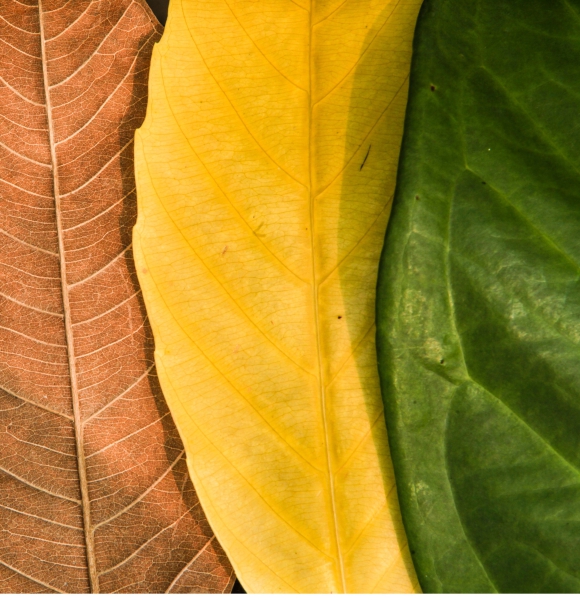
pixel 159 8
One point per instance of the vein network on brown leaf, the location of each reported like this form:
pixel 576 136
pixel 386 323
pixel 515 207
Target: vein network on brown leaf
pixel 94 491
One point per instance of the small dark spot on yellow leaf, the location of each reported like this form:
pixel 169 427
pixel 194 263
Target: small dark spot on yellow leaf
pixel 365 158
pixel 340 316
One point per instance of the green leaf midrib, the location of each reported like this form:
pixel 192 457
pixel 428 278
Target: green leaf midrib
pixel 490 272
pixel 471 380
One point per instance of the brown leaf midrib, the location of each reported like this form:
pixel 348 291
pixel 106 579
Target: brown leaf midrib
pixel 86 440
pixel 78 425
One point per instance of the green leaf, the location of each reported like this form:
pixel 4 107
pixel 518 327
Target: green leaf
pixel 479 299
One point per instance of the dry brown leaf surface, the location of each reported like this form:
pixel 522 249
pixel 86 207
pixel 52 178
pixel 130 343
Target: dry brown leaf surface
pixel 94 491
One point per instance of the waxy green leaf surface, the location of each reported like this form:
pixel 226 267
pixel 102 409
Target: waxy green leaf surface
pixel 479 299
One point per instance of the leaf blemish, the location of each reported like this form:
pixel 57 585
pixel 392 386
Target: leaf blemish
pixel 433 88
pixel 365 158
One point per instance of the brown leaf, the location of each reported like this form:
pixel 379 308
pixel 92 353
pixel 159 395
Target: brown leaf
pixel 94 491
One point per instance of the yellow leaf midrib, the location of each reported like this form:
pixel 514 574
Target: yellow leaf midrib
pixel 317 281
pixel 263 333
pixel 316 306
pixel 300 399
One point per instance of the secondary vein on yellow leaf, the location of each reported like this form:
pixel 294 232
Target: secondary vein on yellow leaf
pixel 199 485
pixel 376 421
pixel 223 287
pixel 274 511
pixel 260 50
pixel 221 190
pixel 350 356
pixel 212 362
pixel 244 124
pixel 78 425
pixel 359 242
pixel 398 559
pixel 298 5
pixel 376 514
pixel 326 17
pixel 349 161
pixel 360 56
pixel 321 387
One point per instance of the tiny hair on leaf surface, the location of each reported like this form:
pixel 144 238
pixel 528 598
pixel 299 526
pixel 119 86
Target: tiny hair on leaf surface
pixel 478 299
pixel 265 171
pixel 94 490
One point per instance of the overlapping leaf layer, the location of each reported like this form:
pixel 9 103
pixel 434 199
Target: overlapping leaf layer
pixel 265 170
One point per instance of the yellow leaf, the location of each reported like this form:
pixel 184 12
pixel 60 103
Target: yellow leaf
pixel 266 168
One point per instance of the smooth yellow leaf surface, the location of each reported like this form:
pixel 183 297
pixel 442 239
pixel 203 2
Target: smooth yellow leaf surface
pixel 265 169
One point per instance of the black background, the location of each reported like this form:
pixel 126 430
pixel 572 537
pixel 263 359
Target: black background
pixel 159 7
